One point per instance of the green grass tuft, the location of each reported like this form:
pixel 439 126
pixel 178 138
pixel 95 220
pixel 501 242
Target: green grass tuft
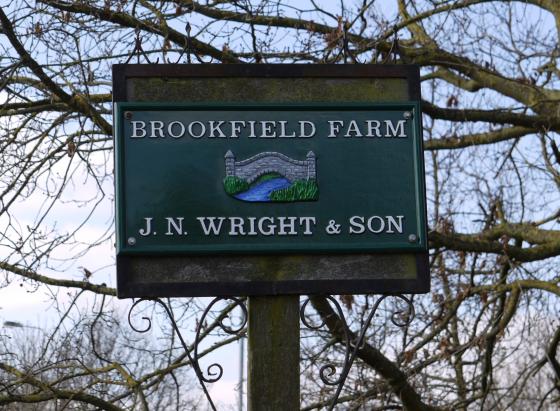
pixel 301 190
pixel 235 185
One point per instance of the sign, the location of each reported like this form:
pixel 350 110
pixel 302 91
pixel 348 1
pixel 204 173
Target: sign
pixel 269 178
pixel 267 185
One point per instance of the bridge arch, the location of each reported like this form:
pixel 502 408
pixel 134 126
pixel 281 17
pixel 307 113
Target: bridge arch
pixel 271 162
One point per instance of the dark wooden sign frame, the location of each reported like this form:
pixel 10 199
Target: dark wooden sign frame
pixel 267 274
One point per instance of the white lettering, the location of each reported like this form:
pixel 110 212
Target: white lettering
pixel 148 229
pixel 270 228
pixel 216 127
pixel 302 126
pixel 236 127
pixel 353 128
pixel 376 224
pixel 156 126
pixel 392 223
pixel 176 224
pixel 373 128
pixel 334 127
pixel 290 226
pixel 392 131
pixel 283 131
pixel 267 127
pixel 357 225
pixel 236 226
pixel 181 129
pixel 211 226
pixel 252 128
pixel 307 221
pixel 381 224
pixel 202 129
pixel 251 226
pixel 138 126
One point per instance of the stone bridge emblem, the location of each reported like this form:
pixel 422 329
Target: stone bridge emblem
pixel 271 177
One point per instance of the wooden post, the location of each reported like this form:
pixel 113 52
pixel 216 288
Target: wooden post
pixel 273 348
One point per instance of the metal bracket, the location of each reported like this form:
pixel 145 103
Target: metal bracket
pixel 214 371
pixel 352 342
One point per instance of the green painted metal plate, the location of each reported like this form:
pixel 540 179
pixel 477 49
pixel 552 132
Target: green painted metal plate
pixel 269 178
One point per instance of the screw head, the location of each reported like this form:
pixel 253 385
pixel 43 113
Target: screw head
pixel 407 115
pixel 412 238
pixel 131 241
pixel 128 115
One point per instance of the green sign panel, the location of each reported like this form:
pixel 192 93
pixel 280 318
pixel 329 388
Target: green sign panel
pixel 269 178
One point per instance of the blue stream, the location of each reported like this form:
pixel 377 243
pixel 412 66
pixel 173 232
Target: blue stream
pixel 261 192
